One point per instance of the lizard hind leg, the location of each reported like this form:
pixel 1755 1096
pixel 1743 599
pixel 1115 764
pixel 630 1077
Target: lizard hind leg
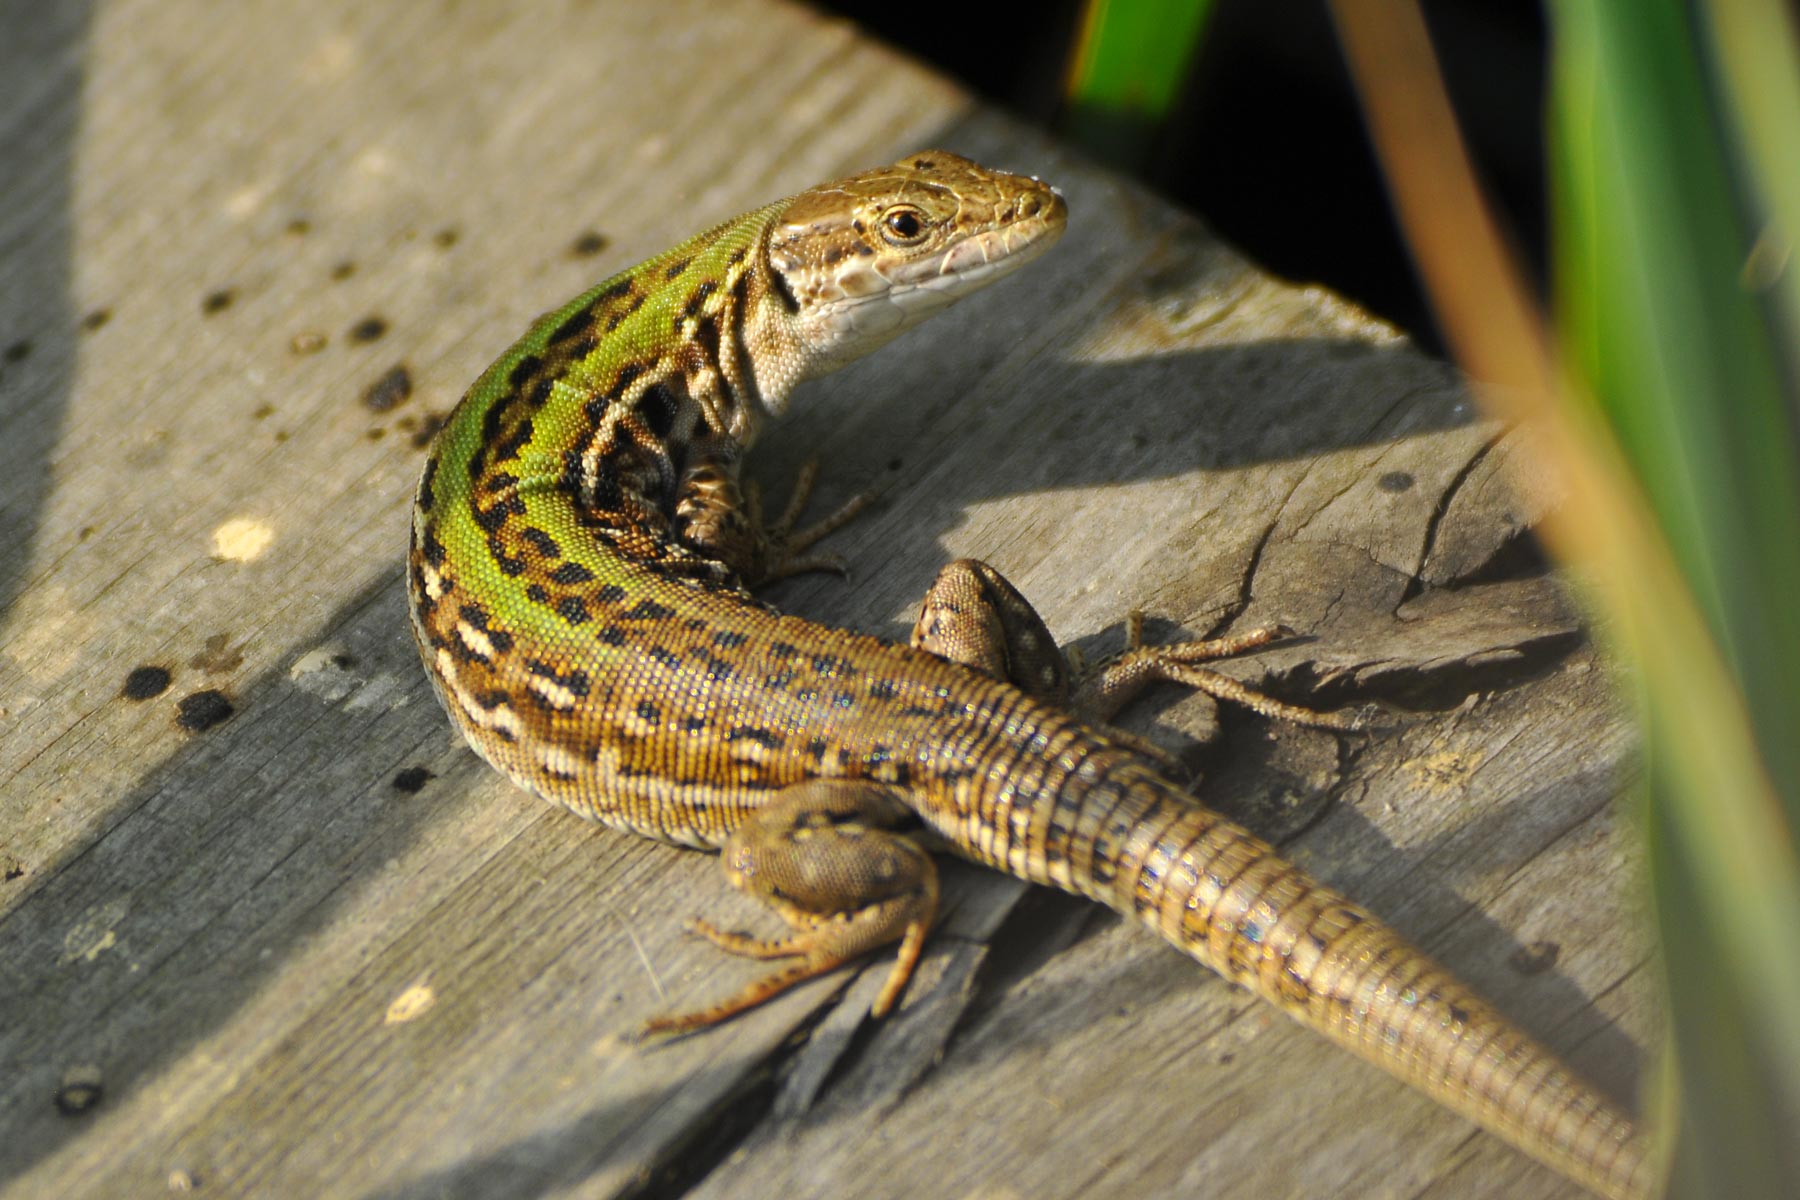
pixel 824 856
pixel 972 615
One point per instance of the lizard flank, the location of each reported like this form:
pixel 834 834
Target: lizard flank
pixel 580 573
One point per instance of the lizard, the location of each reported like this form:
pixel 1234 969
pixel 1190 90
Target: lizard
pixel 582 558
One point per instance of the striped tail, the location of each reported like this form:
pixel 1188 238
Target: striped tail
pixel 1134 842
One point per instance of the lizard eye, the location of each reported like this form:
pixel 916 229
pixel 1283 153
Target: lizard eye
pixel 903 226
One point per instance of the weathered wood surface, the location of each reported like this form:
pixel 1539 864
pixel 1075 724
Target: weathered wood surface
pixel 292 975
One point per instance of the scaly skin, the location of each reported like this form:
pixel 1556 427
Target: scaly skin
pixel 579 573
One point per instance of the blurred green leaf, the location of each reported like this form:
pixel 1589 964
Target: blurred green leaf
pixel 1657 222
pixel 1127 69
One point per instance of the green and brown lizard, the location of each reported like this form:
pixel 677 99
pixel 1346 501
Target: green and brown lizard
pixel 582 554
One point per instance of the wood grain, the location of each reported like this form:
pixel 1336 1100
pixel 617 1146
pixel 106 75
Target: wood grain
pixel 307 945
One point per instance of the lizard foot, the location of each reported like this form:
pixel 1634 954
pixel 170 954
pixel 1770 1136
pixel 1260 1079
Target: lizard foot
pixel 1104 689
pixel 784 547
pixel 822 856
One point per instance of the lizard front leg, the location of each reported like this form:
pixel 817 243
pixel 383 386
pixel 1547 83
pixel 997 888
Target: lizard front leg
pixel 823 855
pixel 723 516
pixel 974 616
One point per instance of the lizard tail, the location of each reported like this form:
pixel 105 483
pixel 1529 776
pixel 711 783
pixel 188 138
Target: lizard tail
pixel 1231 901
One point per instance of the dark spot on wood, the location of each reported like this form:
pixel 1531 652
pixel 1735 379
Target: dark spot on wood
pixel 17 352
pixel 217 301
pixel 343 270
pixel 218 655
pixel 1535 958
pixel 390 391
pixel 649 713
pixel 375 435
pixel 96 318
pixel 571 573
pixel 412 779
pixel 299 227
pixel 144 682
pixel 1395 481
pixel 81 1090
pixel 675 268
pixel 307 342
pixel 587 244
pixel 203 710
pixel 445 238
pixel 368 329
pixel 573 610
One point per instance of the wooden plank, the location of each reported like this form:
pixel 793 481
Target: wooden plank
pixel 316 948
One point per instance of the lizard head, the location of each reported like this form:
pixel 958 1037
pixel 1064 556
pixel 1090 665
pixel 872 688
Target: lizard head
pixel 860 260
